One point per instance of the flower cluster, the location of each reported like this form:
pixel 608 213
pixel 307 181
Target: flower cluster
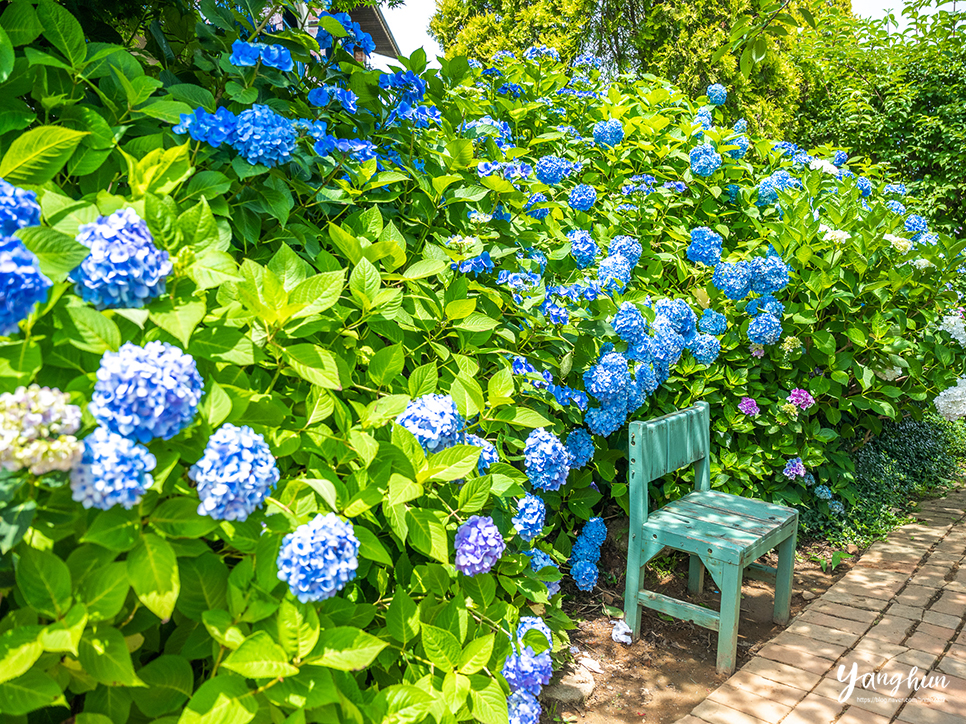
pixel 530 516
pixel 479 545
pixel 37 426
pixel 801 398
pixel 249 54
pixel 955 326
pixel 951 402
pixel 124 269
pixel 527 671
pixel 323 95
pixel 539 53
pixel 705 160
pixel 712 322
pixel 235 474
pixel 748 406
pixel 113 470
pixel 524 708
pixel 404 85
pixel 794 468
pixel 146 392
pixel 540 560
pixel 547 460
pixel 608 133
pixel 551 170
pixel 354 38
pixel 717 94
pixel 258 133
pixel 434 421
pixel 18 209
pixel 580 448
pixel 582 248
pixel 705 247
pixel 22 284
pixel 319 558
pixel 582 197
pixel 586 553
pixel 488 455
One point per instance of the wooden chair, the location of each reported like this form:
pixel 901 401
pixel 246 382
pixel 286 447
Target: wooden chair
pixel 723 533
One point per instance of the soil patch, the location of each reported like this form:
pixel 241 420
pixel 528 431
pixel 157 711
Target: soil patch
pixel 666 673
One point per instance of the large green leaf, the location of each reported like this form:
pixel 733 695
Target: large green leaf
pixel 259 657
pixel 63 31
pixel 152 570
pixel 441 646
pixel 104 591
pixel 179 318
pixel 36 156
pixel 30 692
pixel 226 699
pixel 170 683
pixel 178 518
pixel 44 581
pixel 19 649
pixel 298 628
pixel 105 657
pixel 116 529
pixel 428 534
pixel 345 648
pixel 64 634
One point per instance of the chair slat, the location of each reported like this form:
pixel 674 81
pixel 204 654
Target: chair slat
pixel 713 516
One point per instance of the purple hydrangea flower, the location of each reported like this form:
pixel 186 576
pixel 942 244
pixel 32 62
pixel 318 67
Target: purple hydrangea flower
pixel 479 545
pixel 748 406
pixel 523 708
pixel 801 398
pixel 794 468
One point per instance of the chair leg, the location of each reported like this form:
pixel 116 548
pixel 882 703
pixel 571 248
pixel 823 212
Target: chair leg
pixel 695 576
pixel 728 620
pixel 784 579
pixel 632 609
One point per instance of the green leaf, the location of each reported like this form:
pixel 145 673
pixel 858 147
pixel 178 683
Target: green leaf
pixel 207 185
pixel 441 646
pixel 522 417
pixel 152 570
pixel 423 380
pixel 402 617
pixel 386 365
pixel 476 655
pixel 425 268
pixel 20 21
pixel 20 647
pixel 487 700
pixel 346 648
pixel 105 657
pixel 64 33
pixel 116 529
pixel 36 156
pixel 318 293
pixel 204 585
pixel 64 634
pixel 57 253
pixel 474 494
pixel 259 658
pixel 15 520
pixel 371 547
pixel 364 282
pixel 44 581
pixel 170 682
pixel 6 56
pixel 226 699
pixel 222 628
pixel 452 463
pixel 94 331
pixel 314 364
pixel 427 534
pixel 32 691
pixel 104 591
pixel 168 111
pixel 298 628
pixel 179 318
pixel 476 322
pixel 178 518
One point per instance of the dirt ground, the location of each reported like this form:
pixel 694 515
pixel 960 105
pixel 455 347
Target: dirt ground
pixel 666 673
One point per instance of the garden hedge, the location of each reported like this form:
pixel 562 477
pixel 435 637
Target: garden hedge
pixel 316 376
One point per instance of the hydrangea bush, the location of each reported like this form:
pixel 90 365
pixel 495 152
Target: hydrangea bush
pixel 311 403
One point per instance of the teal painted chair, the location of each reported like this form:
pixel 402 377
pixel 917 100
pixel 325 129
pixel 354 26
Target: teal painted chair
pixel 724 534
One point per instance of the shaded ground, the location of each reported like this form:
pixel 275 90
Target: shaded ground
pixel 661 677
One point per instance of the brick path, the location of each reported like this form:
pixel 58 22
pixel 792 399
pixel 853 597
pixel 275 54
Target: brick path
pixel 902 606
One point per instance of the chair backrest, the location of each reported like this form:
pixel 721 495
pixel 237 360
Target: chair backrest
pixel 664 444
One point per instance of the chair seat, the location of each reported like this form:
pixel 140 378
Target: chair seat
pixel 725 527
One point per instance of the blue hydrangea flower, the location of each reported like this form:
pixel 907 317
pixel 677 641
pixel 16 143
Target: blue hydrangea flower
pixel 551 170
pixel 585 575
pixel 629 323
pixel 264 137
pixel 794 468
pixel 113 471
pixel 705 348
pixel 537 53
pixel 22 284
pixel 608 133
pixel 678 186
pixel 703 119
pixel 523 708
pixel 742 143
pixel 712 322
pixel 607 419
pixel 916 224
pixel 682 318
pixel 732 191
pixel 124 269
pixel 146 392
pixel 580 448
pixel 741 125
pixel 766 328
pixel 614 273
pixel 734 280
pixel 245 55
pixel 319 558
pixel 356 149
pixel 479 545
pixel 769 274
pixel 540 560
pixel 526 671
pixel 765 303
pixel 894 190
pixel 487 127
pixel 489 454
pixel 836 507
pixel 896 207
pixel 840 159
pixel 547 461
pixel 582 248
pixel 325 94
pixel 822 492
pixel 235 475
pixel 405 85
pixel 705 247
pixel 864 186
pixel 582 197
pixel 627 247
pixel 514 90
pixel 538 214
pixel 705 160
pixel 609 378
pixel 18 209
pixel 211 128
pixel 475 266
pixel 594 531
pixel 277 56
pixel 717 94
pixel 434 421
pixel 530 516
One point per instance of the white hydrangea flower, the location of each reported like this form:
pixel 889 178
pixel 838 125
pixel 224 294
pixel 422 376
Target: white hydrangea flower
pixel 954 326
pixel 36 430
pixel 922 263
pixel 834 235
pixel 820 164
pixel 898 243
pixel 951 403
